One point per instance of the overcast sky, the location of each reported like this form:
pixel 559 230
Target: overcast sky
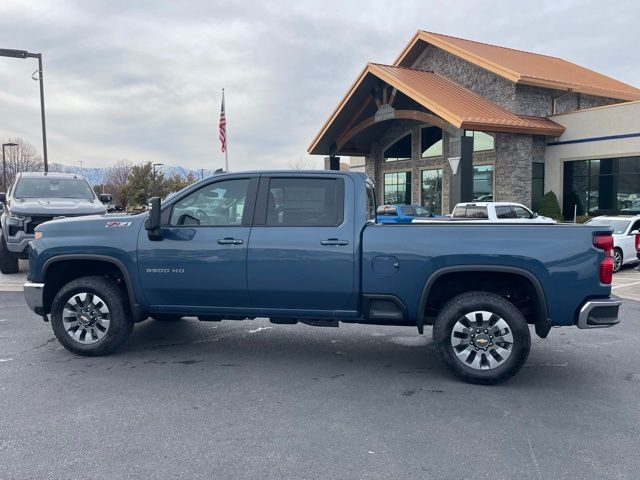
pixel 141 79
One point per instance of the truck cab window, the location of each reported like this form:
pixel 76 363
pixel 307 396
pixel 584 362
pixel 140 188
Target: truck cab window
pixel 371 203
pixel 304 202
pixel 220 203
pixel 470 211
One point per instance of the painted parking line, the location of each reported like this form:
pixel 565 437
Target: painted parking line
pixel 627 285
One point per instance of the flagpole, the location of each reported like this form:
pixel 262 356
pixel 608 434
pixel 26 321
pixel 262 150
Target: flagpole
pixel 226 147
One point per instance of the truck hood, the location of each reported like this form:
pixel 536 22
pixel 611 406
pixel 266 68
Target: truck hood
pixel 56 206
pixel 92 223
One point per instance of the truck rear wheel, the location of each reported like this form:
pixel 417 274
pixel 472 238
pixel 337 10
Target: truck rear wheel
pixel 8 261
pixel 89 316
pixel 482 338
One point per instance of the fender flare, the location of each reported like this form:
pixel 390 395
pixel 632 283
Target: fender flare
pixel 136 310
pixel 543 325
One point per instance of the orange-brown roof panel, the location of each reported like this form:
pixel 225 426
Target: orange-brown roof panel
pixel 523 67
pixel 456 104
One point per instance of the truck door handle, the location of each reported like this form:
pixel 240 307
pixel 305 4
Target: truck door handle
pixel 333 241
pixel 230 241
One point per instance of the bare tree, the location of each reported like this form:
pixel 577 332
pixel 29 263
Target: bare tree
pixel 303 163
pixel 24 157
pixel 117 178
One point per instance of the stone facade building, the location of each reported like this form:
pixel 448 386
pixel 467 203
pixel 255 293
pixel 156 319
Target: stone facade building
pixel 406 119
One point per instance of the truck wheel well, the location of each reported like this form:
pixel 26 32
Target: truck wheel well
pixel 62 272
pixel 516 288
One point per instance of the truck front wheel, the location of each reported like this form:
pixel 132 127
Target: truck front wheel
pixel 89 316
pixel 8 261
pixel 481 337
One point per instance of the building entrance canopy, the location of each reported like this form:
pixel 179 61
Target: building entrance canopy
pixel 382 93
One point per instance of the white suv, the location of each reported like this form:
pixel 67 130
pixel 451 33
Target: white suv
pixel 624 249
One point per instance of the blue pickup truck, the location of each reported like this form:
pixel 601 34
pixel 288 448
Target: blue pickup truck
pixel 305 247
pixel 403 213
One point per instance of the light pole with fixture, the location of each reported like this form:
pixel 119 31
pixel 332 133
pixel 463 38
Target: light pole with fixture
pixel 6 52
pixel 154 176
pixel 4 164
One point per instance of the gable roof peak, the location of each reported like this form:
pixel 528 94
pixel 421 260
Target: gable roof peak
pixel 520 66
pixel 452 37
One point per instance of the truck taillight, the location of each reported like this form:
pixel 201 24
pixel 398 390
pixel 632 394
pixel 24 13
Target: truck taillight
pixel 637 235
pixel 605 242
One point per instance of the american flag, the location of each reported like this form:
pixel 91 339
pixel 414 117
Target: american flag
pixel 223 126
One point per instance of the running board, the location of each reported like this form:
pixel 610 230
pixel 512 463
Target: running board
pixel 314 322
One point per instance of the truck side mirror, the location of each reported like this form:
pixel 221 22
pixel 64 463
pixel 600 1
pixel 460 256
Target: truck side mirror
pixel 152 222
pixel 105 198
pixel 534 215
pixel 3 197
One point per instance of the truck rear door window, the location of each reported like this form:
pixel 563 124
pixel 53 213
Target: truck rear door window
pixel 470 211
pixel 305 202
pixel 505 211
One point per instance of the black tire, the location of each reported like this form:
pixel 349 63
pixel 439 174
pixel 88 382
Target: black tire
pixel 166 317
pixel 617 265
pixel 8 261
pixel 455 310
pixel 120 322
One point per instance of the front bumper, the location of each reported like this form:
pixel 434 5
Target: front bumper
pixel 33 295
pixel 19 243
pixel 599 313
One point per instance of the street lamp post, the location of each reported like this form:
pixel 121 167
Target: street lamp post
pixel 4 164
pixel 154 176
pixel 6 52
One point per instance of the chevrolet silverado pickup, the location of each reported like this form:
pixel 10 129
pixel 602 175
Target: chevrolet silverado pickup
pixel 35 198
pixel 305 247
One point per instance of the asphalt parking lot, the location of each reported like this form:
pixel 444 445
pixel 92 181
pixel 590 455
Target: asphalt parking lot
pixel 253 400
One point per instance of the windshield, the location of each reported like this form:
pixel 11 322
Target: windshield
pixel 54 188
pixel 619 226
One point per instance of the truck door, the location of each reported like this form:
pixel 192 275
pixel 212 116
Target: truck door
pixel 201 259
pixel 301 252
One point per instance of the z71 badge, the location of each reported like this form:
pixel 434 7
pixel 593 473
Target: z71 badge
pixel 117 224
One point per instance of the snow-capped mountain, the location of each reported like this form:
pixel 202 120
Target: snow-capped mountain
pixel 95 175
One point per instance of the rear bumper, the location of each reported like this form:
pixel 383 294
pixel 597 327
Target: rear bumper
pixel 33 295
pixel 599 313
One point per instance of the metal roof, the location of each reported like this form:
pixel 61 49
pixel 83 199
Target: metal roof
pixel 521 67
pixel 459 106
pixel 453 103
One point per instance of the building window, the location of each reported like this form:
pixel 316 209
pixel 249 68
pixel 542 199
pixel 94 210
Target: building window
pixel 482 142
pixel 483 183
pixel 397 188
pixel 537 185
pixel 431 195
pixel 400 150
pixel 601 187
pixel 431 142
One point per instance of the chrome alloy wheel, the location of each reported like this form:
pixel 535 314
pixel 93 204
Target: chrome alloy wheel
pixel 482 340
pixel 85 318
pixel 617 259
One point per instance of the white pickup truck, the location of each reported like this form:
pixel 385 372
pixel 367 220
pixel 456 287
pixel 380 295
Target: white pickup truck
pixel 507 212
pixel 493 212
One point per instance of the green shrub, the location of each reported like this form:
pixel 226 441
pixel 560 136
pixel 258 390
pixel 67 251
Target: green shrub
pixel 549 207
